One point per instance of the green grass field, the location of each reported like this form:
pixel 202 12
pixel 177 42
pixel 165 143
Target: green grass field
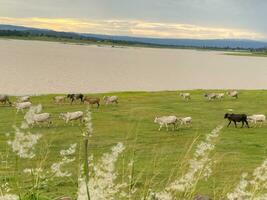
pixel 253 54
pixel 131 122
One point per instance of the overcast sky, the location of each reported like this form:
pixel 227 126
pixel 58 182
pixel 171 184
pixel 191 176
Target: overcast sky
pixel 150 18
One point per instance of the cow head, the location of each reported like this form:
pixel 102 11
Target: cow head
pixel 226 115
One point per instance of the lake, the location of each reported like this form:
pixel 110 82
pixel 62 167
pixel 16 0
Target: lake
pixel 35 67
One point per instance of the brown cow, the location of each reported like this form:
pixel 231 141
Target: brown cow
pixel 92 100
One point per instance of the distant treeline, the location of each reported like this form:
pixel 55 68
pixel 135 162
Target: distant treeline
pixel 33 33
pixel 78 38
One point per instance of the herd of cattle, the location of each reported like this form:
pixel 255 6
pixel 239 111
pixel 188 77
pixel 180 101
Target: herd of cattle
pixel 24 102
pixel 212 96
pixel 35 117
pixel 243 118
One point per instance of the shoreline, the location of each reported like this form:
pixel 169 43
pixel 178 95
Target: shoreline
pixel 138 45
pixel 223 51
pixel 139 92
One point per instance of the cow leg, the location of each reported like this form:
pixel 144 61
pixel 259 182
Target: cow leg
pixel 229 123
pixel 160 126
pixel 247 123
pixel 167 127
pixel 242 124
pixel 81 120
pixel 176 125
pixel 235 124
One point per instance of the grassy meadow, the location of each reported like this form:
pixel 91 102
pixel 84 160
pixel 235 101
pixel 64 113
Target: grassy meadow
pixel 157 155
pixel 247 53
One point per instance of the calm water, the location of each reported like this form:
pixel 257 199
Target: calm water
pixel 31 67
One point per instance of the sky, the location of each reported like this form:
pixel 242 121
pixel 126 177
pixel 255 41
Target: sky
pixel 194 19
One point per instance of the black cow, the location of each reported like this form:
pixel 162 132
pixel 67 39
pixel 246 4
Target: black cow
pixel 236 118
pixel 74 97
pixel 5 99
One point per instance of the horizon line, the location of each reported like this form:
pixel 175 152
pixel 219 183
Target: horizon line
pixel 134 28
pixel 133 36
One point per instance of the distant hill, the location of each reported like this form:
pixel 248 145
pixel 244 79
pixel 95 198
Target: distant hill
pixel 37 31
pixel 12 28
pixel 213 43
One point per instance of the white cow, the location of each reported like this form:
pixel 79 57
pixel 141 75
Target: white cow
pixel 257 118
pixel 23 105
pixel 110 99
pixel 23 99
pixel 165 121
pixel 38 118
pixel 185 96
pixel 219 95
pixel 233 93
pixel 185 120
pixel 71 116
pixel 59 99
pixel 210 96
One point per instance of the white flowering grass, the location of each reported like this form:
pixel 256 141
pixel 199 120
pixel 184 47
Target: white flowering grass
pixel 9 197
pixel 102 178
pixel 5 192
pixel 24 143
pixel 66 154
pixel 29 116
pixel 70 151
pixel 253 188
pixel 88 124
pixel 199 167
pixel 33 171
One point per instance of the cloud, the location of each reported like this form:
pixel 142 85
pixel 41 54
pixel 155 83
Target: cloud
pixel 134 28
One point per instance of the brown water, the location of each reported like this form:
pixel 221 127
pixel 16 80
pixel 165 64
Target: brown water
pixel 33 67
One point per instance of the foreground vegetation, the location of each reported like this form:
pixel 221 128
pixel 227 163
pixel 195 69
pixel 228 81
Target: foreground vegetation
pixel 155 158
